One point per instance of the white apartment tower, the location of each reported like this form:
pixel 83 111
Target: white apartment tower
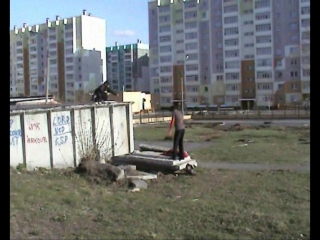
pixel 70 52
pixel 128 67
pixel 240 53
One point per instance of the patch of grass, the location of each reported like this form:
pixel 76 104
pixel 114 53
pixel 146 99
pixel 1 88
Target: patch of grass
pixel 274 145
pixel 193 133
pixel 269 146
pixel 215 204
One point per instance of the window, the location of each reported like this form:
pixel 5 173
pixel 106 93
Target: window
pixel 232 99
pixel 230 20
pixel 165 69
pixel 190 25
pixel 264 74
pixel 248 56
pixel 232 87
pixel 262 16
pixel 306 60
pixel 294 61
pixel 165 59
pixel 293 26
pixel 231 42
pixel 219 56
pixel 191 35
pixel 305 10
pixel 232 53
pixel 164 8
pixel 280 86
pixel 192 67
pixel 189 15
pixel 306 85
pixel 306 35
pixel 306 72
pixel 264 51
pixel 279 63
pixel 192 89
pixel 231 8
pixel 232 76
pixel 166 89
pixel 248 11
pixel 248 34
pixel 219 78
pixel 165 49
pixel 294 38
pixel 248 22
pixel 263 39
pixel 294 74
pixel 231 31
pixel 165 38
pixel 264 62
pixel 293 14
pixel 305 22
pixel 294 86
pixel 218 24
pixel 232 64
pixel 262 4
pixel 192 78
pixel 293 50
pixel 164 19
pixel 166 28
pixel 249 45
pixel 191 46
pixel 263 27
pixel 219 66
pixel 264 86
pixel 165 80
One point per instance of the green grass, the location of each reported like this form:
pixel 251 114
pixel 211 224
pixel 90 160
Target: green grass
pixel 211 205
pixel 271 145
pixel 214 204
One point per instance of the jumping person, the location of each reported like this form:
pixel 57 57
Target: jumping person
pixel 101 93
pixel 177 121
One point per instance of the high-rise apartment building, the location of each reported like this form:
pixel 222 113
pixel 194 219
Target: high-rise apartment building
pixel 128 67
pixel 240 53
pixel 70 52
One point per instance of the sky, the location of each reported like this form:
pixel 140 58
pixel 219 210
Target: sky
pixel 126 20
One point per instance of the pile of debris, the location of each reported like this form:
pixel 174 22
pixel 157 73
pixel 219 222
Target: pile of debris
pixel 136 168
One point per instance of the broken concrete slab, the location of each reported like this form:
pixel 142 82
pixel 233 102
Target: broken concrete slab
pixel 127 167
pixel 134 174
pixel 137 184
pixel 146 147
pixel 148 161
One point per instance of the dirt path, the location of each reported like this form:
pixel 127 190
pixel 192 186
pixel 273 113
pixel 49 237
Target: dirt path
pixel 222 165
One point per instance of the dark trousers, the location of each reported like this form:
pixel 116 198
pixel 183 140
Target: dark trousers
pixel 101 96
pixel 178 141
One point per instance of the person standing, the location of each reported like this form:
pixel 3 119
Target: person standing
pixel 178 122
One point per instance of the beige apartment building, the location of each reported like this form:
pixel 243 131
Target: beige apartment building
pixel 239 53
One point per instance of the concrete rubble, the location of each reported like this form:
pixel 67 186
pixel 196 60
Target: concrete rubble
pixel 146 159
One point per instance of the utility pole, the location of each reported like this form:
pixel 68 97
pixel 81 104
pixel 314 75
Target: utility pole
pixel 182 84
pixel 48 77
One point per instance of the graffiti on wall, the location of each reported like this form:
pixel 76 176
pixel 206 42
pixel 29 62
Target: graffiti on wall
pixel 15 134
pixel 35 127
pixel 61 129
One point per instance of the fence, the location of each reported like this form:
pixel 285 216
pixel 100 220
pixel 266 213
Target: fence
pixel 289 113
pixel 165 115
pixel 59 137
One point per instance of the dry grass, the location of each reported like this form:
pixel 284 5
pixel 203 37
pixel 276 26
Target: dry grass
pixel 274 145
pixel 212 205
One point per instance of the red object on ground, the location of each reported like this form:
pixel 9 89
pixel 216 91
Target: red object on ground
pixel 169 153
